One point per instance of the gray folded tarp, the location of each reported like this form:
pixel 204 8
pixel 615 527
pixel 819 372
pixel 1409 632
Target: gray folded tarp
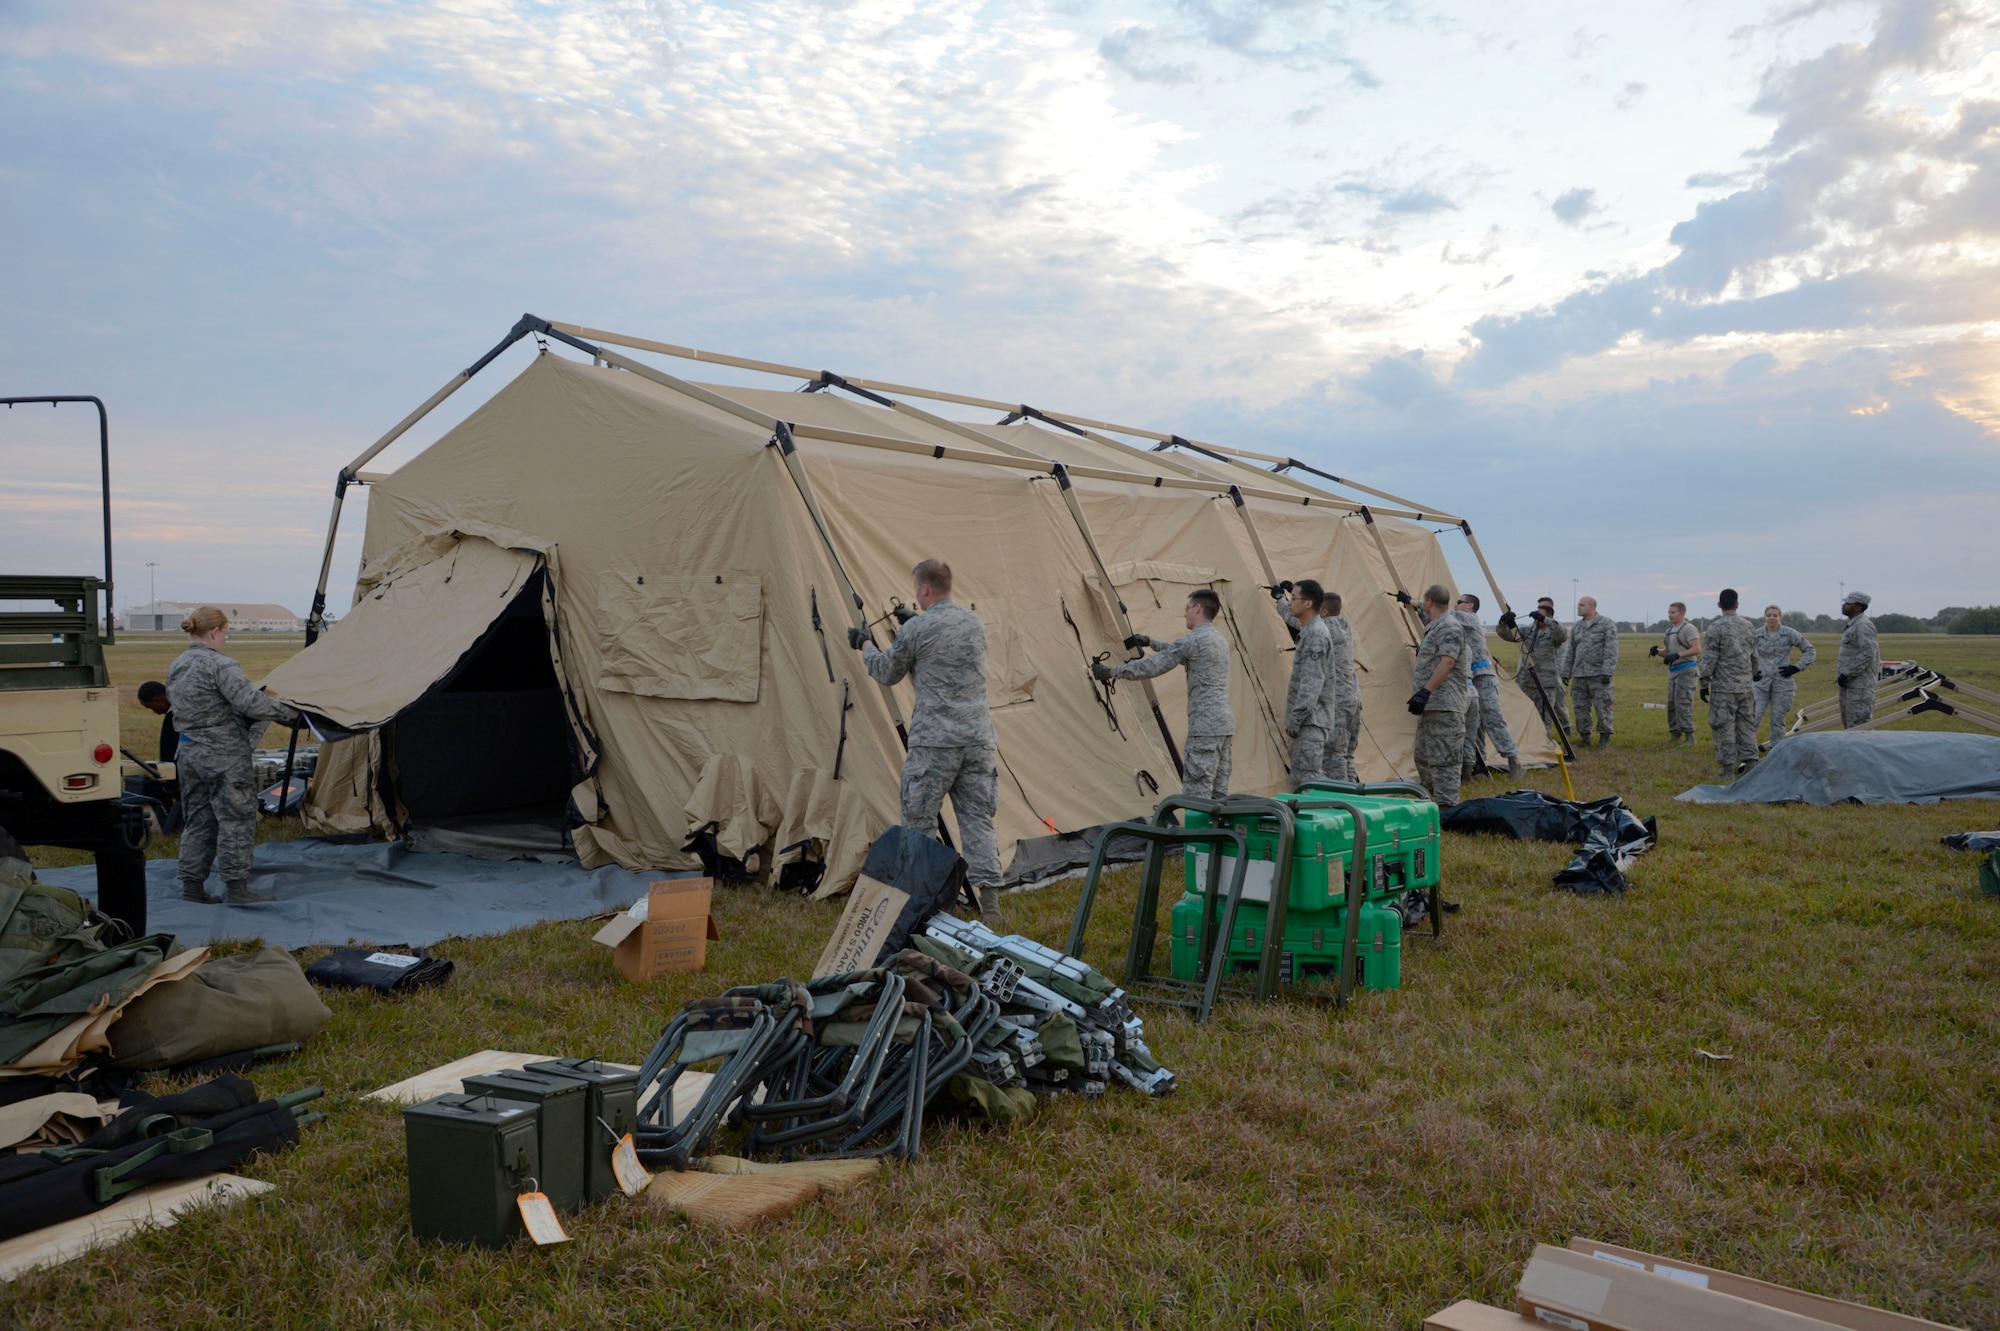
pixel 1866 767
pixel 381 893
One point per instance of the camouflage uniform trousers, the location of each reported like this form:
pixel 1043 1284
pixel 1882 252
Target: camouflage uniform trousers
pixel 1484 720
pixel 1732 721
pixel 1681 686
pixel 1557 710
pixel 967 773
pixel 219 812
pixel 1205 766
pixel 1592 693
pixel 1775 695
pixel 1857 704
pixel 1440 748
pixel 1341 764
pixel 1308 757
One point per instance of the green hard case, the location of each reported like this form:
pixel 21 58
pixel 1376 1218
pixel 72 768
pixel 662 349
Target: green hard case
pixel 470 1157
pixel 562 1101
pixel 1403 840
pixel 611 1110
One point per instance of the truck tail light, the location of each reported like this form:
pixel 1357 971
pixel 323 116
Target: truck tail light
pixel 104 753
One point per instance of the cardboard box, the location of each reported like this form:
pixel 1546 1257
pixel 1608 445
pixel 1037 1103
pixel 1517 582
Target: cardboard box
pixel 1465 1315
pixel 1836 1312
pixel 667 930
pixel 870 916
pixel 1580 1292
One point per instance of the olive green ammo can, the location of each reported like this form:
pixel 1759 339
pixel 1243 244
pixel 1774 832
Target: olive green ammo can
pixel 562 1101
pixel 611 1111
pixel 470 1157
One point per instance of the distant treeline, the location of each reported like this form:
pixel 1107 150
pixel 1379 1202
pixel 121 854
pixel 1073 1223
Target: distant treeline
pixel 1951 619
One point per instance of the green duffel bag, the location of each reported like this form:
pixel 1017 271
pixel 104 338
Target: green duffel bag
pixel 227 1005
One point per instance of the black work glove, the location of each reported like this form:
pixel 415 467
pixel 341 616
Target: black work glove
pixel 1507 620
pixel 1671 657
pixel 903 613
pixel 1756 676
pixel 1101 671
pixel 857 638
pixel 1419 701
pixel 1656 651
pixel 1787 671
pixel 1704 690
pixel 1404 597
pixel 1138 640
pixel 1840 681
pixel 1281 591
pixel 1538 616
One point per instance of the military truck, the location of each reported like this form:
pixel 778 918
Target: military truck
pixel 61 781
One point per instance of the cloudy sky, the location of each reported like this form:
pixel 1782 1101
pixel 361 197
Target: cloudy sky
pixel 1663 297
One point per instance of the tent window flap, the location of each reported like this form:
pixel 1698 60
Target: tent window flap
pixel 686 637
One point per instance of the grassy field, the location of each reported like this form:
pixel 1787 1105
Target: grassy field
pixel 1537 1077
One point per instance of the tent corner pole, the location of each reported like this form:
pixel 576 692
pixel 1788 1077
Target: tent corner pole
pixel 1484 567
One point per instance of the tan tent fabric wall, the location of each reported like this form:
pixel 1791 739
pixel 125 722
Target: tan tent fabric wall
pixel 643 495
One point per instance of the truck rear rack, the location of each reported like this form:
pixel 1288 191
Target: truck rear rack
pixel 59 648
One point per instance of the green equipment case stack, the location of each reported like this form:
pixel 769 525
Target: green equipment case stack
pixel 470 1157
pixel 561 1101
pixel 1402 850
pixel 611 1109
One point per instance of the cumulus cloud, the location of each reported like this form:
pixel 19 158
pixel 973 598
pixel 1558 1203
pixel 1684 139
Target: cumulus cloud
pixel 1839 221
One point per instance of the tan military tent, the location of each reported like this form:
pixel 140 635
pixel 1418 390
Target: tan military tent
pixel 616 602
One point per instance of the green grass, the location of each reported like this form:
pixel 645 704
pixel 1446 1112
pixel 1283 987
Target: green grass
pixel 1535 1078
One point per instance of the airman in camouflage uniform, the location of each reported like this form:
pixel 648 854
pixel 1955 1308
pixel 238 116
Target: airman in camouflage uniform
pixel 1678 651
pixel 1859 665
pixel 1346 693
pixel 1540 641
pixel 1728 669
pixel 1345 700
pixel 1776 690
pixel 220 715
pixel 1204 653
pixel 1306 719
pixel 1592 659
pixel 952 744
pixel 1483 718
pixel 1442 679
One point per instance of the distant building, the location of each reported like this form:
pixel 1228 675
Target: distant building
pixel 166 617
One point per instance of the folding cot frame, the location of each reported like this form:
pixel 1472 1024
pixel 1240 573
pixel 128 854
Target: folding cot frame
pixel 1918 687
pixel 1193 465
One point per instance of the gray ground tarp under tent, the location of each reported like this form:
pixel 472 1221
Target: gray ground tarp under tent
pixel 382 893
pixel 1866 767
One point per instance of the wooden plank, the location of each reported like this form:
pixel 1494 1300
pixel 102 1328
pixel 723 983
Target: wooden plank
pixel 162 1206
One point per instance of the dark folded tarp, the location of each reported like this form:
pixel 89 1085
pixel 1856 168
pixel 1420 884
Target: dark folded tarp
pixel 932 873
pixel 384 972
pixel 1866 767
pixel 1972 840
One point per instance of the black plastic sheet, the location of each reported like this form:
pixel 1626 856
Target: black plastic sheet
pixel 1609 835
pixel 932 873
pixel 1972 840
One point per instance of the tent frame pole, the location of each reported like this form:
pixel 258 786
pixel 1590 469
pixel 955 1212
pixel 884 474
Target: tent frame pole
pixel 781 439
pixel 1063 484
pixel 1403 599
